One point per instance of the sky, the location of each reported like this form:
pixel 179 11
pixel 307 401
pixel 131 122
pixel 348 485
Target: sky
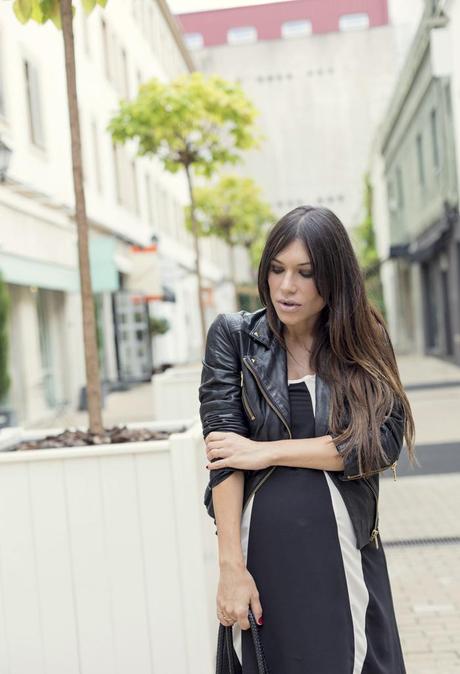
pixel 182 6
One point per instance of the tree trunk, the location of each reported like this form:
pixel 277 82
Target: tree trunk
pixel 89 324
pixel 197 261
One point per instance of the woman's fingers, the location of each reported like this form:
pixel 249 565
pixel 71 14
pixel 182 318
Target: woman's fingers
pixel 218 453
pixel 243 620
pixel 257 609
pixel 215 465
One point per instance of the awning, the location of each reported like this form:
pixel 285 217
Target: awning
pixel 429 242
pixel 25 271
pixel 104 272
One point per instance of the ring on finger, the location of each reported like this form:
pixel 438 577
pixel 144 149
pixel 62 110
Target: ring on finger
pixel 225 617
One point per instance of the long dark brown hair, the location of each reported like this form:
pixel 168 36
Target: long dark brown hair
pixel 351 347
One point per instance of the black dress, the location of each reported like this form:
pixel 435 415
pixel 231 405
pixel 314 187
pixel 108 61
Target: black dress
pixel 327 606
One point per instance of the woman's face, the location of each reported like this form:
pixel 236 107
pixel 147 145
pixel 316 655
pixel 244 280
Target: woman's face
pixel 290 278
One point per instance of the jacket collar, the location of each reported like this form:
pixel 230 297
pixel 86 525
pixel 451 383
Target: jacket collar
pixel 276 362
pixel 261 330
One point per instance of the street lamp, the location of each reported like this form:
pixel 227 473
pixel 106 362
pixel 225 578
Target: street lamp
pixel 5 156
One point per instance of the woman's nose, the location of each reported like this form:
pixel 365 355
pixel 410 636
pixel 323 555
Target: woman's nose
pixel 287 282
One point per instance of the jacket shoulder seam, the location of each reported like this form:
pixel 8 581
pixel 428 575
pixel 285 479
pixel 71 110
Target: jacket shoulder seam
pixel 230 332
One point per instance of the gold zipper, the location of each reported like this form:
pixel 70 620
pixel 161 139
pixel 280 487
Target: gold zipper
pixel 274 408
pixel 393 468
pixel 375 531
pixel 373 472
pixel 246 404
pixel 251 493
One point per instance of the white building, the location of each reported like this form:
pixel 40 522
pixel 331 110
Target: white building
pixel 129 200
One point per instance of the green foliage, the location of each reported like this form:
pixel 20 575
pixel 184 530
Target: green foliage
pixel 364 232
pixel 42 11
pixel 232 209
pixel 365 244
pixel 158 326
pixel 195 120
pixel 4 313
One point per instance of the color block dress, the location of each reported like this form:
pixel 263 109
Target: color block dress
pixel 327 606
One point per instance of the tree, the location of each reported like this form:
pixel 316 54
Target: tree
pixel 364 240
pixel 195 124
pixel 232 210
pixel 60 12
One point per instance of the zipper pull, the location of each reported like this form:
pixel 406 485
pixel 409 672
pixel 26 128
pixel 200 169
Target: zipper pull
pixel 374 538
pixel 393 468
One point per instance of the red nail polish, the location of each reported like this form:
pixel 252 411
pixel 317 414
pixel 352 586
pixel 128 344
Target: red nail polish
pixel 260 621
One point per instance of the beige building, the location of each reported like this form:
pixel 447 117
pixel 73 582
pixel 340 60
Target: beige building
pixel 321 75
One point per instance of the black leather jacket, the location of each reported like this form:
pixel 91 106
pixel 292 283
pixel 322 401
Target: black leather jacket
pixel 244 389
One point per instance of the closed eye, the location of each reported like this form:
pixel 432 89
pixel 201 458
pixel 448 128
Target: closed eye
pixel 279 270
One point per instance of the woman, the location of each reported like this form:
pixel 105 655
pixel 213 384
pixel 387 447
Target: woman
pixel 302 407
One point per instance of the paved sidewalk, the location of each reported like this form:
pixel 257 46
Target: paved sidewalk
pixel 425 579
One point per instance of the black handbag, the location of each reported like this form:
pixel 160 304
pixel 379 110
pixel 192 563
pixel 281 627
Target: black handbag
pixel 226 659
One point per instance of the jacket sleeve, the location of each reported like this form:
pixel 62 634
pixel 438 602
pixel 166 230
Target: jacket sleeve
pixel 392 438
pixel 221 406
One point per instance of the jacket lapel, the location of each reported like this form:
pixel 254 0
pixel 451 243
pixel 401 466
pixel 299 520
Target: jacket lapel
pixel 270 364
pixel 322 403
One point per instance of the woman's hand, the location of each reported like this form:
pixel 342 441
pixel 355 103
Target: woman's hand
pixel 235 593
pixel 235 451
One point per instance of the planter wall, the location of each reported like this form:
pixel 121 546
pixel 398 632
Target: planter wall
pixel 175 392
pixel 103 557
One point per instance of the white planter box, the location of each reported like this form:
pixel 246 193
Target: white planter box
pixel 103 556
pixel 175 392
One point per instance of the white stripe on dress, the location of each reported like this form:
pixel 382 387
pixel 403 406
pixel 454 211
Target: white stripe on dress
pixel 352 562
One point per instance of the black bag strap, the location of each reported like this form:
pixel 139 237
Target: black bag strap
pixel 226 662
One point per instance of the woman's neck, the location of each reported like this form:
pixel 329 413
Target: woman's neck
pixel 299 337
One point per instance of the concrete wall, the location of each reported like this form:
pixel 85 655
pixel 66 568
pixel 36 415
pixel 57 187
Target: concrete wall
pixel 321 98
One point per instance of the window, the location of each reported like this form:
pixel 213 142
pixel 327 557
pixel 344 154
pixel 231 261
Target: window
pixel 133 199
pixel 106 50
pixel 84 30
pixel 448 99
pixel 435 139
pixel 125 179
pixel 2 88
pixel 296 28
pixel 357 21
pixel 242 35
pixel 117 171
pixel 194 40
pixel 34 105
pixel 124 84
pixel 97 158
pixel 420 162
pixel 399 188
pixel 392 205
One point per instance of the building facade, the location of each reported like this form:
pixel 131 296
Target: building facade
pixel 321 75
pixel 142 257
pixel 416 185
